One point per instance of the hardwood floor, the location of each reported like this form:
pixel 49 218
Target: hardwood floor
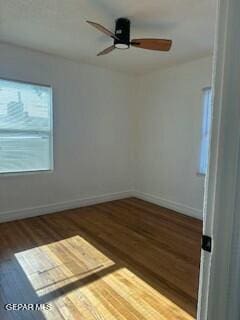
pixel 126 259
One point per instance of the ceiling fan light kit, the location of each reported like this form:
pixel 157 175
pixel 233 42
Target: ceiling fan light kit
pixel 121 38
pixel 122 32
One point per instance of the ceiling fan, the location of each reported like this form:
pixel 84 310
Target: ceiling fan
pixel 121 38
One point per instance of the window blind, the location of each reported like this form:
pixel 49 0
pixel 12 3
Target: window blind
pixel 25 127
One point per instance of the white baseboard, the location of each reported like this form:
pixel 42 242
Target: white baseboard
pixel 78 203
pixel 60 206
pixel 176 206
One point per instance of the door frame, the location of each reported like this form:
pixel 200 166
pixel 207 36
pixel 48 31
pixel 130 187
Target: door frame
pixel 219 287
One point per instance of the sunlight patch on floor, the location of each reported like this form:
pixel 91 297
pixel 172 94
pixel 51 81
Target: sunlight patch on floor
pixel 72 274
pixel 56 264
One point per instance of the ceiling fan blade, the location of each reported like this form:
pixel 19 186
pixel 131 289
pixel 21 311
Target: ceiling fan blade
pixel 152 44
pixel 102 29
pixel 106 51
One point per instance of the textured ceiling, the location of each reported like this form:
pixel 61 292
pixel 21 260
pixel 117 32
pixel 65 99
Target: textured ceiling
pixel 59 27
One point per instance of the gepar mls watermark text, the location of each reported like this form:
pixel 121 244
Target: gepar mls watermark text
pixel 27 306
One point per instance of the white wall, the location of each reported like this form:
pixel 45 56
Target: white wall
pixel 168 136
pixel 92 127
pixel 112 133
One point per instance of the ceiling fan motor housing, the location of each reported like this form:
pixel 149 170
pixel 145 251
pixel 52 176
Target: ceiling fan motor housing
pixel 122 32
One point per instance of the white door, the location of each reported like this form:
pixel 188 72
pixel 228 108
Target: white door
pixel 219 276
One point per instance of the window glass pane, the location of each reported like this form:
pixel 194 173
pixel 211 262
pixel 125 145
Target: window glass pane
pixel 206 126
pixel 24 106
pixel 25 127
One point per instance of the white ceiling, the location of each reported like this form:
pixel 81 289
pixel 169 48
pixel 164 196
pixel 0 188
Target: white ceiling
pixel 59 27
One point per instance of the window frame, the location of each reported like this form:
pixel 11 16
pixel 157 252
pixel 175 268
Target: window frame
pixel 50 133
pixel 203 128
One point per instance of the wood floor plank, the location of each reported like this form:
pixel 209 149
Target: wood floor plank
pixel 172 240
pixel 125 260
pixel 183 272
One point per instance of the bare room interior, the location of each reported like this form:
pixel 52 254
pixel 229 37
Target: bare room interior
pixel 103 157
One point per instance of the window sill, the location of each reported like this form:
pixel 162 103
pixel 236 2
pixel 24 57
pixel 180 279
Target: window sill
pixel 25 173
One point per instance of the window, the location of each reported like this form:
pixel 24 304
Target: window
pixel 25 127
pixel 206 126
